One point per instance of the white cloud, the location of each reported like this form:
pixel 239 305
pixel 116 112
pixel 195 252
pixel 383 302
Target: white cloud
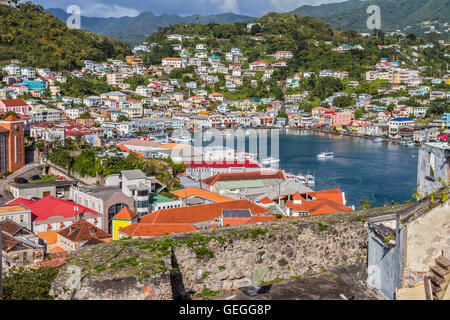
pixel 106 11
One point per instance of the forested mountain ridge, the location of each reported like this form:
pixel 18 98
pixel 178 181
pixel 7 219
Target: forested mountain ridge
pixel 136 29
pixel 404 15
pixel 39 39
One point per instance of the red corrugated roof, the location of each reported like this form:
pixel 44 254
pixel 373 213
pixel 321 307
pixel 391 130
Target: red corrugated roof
pixel 51 207
pixel 253 175
pixel 14 102
pixel 221 164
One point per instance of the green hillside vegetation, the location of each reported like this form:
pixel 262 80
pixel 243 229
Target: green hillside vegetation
pixel 90 162
pixel 311 41
pixel 39 39
pixel 136 29
pixel 395 14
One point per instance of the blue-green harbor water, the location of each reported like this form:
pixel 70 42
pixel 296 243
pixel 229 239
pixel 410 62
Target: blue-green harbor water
pixel 378 172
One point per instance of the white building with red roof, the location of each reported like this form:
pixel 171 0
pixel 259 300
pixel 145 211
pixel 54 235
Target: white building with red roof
pixel 51 213
pixel 258 65
pixel 199 170
pixel 281 55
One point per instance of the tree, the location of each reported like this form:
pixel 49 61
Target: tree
pixel 256 28
pixel 343 101
pixel 28 284
pixel 9 113
pixel 122 118
pixel 358 113
pixel 438 107
pixel 85 115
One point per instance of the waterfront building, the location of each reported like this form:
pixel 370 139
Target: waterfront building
pixel 397 123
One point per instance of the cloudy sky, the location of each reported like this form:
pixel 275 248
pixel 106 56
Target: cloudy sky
pixel 119 8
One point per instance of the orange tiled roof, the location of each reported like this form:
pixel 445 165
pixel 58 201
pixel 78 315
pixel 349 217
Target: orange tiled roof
pixel 199 213
pixel 265 200
pixel 158 229
pixel 192 191
pixel 123 148
pixel 84 231
pixel 316 207
pixel 238 221
pixel 49 236
pixel 11 118
pixel 14 102
pixel 326 201
pixel 57 249
pixel 252 175
pixel 125 214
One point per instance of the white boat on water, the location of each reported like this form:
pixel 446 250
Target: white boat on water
pixel 377 139
pixel 326 155
pixel 269 161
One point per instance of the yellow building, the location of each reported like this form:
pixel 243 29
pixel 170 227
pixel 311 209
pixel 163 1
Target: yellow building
pixel 122 219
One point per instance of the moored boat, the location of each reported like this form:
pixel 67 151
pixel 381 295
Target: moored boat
pixel 326 155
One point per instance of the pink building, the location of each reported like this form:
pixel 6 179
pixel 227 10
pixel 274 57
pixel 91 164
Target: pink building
pixel 332 119
pixel 16 105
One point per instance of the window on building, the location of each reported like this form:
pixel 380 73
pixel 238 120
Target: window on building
pixel 432 165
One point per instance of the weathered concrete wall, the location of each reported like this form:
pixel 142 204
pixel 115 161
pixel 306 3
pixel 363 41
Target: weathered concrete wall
pixel 222 258
pixel 442 170
pixel 384 266
pixel 287 250
pixel 58 170
pixel 427 236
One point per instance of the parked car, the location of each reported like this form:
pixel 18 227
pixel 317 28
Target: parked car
pixel 35 177
pixel 21 180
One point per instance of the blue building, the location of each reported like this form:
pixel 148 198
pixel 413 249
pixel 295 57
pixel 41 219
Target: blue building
pixel 446 119
pixel 35 85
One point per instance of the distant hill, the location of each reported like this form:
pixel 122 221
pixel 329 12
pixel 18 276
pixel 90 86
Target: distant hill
pixel 136 29
pixel 395 14
pixel 39 39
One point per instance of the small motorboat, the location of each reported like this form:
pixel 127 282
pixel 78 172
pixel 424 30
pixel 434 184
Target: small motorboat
pixel 326 155
pixel 377 139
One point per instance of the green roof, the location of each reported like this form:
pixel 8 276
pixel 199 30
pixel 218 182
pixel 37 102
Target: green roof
pixel 240 184
pixel 155 198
